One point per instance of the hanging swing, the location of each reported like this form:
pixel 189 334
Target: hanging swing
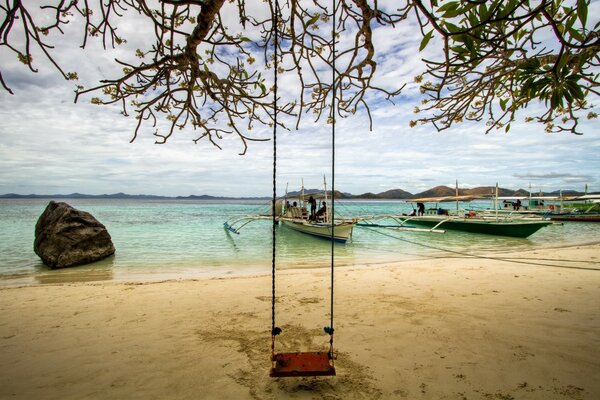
pixel 301 363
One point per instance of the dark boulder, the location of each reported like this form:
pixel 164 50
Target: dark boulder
pixel 65 237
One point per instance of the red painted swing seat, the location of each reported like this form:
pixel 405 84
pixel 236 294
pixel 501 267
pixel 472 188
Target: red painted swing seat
pixel 302 364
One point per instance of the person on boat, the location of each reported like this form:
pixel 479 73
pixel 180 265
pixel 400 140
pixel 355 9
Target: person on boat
pixel 413 213
pixel 421 208
pixel 313 207
pixel 322 211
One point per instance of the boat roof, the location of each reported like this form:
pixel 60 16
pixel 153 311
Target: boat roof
pixel 585 197
pixel 532 198
pixel 444 198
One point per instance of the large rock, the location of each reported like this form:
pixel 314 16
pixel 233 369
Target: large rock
pixel 65 237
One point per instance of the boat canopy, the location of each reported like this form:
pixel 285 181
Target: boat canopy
pixel 584 197
pixel 530 198
pixel 444 199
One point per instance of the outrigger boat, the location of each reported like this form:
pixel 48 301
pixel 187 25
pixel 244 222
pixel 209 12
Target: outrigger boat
pixel 298 219
pixel 292 213
pixel 568 208
pixel 470 221
pixel 514 227
pixel 585 209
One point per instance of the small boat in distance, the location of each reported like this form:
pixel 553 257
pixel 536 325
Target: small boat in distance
pixel 584 208
pixel 293 213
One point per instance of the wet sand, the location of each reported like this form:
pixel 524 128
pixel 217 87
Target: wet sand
pixel 447 328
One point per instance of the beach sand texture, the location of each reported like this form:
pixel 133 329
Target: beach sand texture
pixel 448 328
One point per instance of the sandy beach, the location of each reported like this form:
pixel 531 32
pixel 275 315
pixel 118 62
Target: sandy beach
pixel 447 328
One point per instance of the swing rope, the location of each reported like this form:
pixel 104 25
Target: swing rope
pixel 329 329
pixel 307 363
pixel 274 329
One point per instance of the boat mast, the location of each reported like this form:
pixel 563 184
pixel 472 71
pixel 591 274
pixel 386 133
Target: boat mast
pixel 326 208
pixel 457 197
pixel 496 201
pixel 286 197
pixel 561 200
pixel 302 197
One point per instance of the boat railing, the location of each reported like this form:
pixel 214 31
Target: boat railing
pixel 400 223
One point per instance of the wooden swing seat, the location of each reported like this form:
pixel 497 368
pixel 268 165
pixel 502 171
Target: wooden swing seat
pixel 302 364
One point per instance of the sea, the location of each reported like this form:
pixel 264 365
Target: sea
pixel 185 239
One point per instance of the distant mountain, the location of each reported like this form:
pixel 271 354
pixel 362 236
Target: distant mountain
pixel 308 192
pixel 122 196
pixel 488 191
pixel 438 191
pixel 368 195
pixel 521 192
pixel 394 194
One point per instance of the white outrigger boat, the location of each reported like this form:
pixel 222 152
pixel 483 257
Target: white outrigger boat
pixel 297 218
pixel 293 214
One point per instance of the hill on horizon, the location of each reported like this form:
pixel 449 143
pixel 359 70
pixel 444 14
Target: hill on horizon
pixel 399 194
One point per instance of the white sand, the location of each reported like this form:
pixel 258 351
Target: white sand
pixel 450 328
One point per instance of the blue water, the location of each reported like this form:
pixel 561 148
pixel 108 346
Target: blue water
pixel 182 239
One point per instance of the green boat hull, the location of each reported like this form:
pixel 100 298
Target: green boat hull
pixel 521 229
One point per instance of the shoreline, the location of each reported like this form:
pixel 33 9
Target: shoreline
pixel 442 328
pixel 101 272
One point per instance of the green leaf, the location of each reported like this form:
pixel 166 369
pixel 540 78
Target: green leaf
pixel 503 104
pixel 469 44
pixel 451 27
pixel 450 5
pixel 312 20
pixel 245 39
pixel 575 34
pixel 570 22
pixel 507 128
pixel 582 11
pixel 452 13
pixel 426 40
pixel 483 12
pixel 574 89
pixel 562 61
pixel 556 100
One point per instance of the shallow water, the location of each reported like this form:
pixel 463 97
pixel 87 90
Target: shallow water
pixel 181 239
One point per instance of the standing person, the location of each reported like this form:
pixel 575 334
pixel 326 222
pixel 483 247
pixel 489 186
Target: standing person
pixel 313 207
pixel 421 208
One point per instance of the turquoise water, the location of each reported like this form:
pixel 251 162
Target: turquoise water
pixel 183 239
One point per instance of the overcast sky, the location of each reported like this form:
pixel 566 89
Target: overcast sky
pixel 49 145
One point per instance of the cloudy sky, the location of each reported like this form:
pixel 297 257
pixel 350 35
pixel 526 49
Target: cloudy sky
pixel 50 145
